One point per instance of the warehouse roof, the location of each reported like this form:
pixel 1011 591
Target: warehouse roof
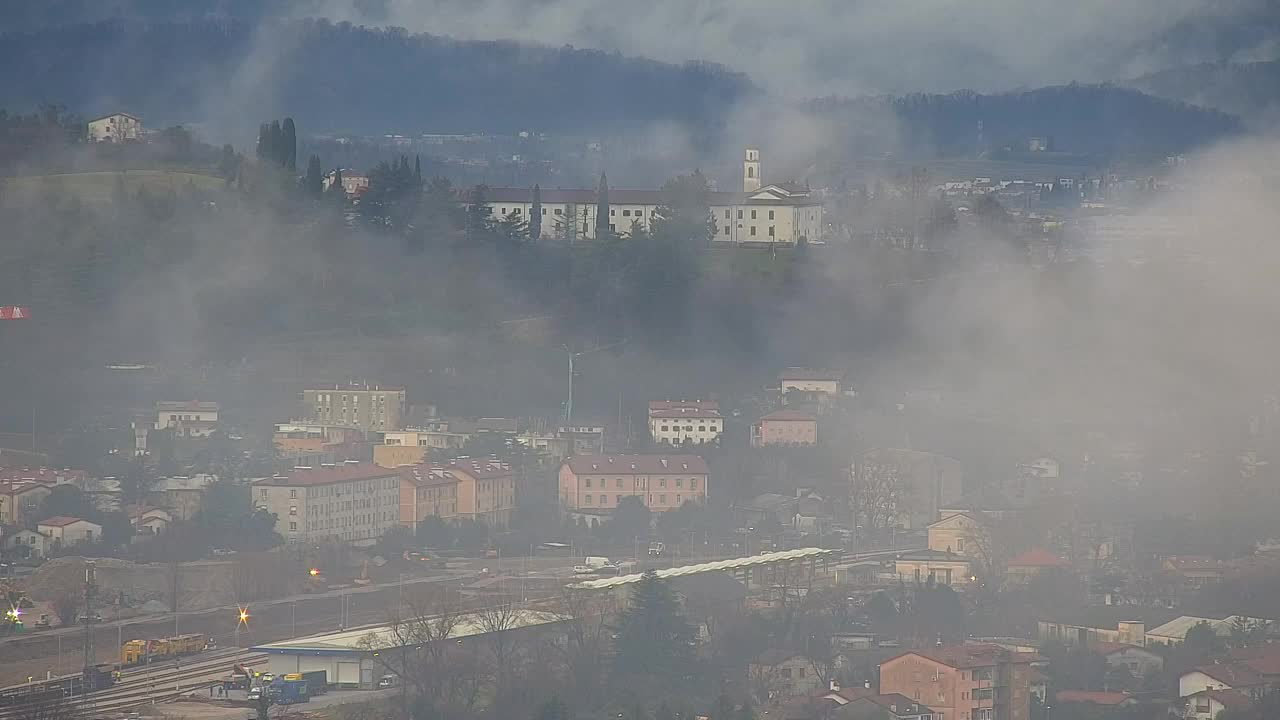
pixel 381 637
pixel 718 565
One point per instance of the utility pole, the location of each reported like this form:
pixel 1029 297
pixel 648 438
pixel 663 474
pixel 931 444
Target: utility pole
pixel 90 591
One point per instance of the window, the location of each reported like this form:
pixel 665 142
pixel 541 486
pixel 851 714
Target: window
pixel 662 499
pixel 613 228
pixel 726 229
pixel 518 210
pixel 770 231
pixel 544 211
pixel 586 483
pixel 739 214
pixel 801 671
pixel 293 494
pixel 679 482
pixel 627 213
pixel 262 493
pixel 786 673
pixel 693 483
pixel 293 510
pixel 959 544
pixel 558 211
pixel 664 428
pixel 770 214
pixel 293 527
pixel 662 482
pixel 753 214
pixel 619 483
pixel 753 230
pixel 726 214
pixel 604 499
pixel 587 499
pixel 613 212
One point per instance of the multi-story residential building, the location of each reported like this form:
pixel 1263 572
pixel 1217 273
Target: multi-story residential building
pixel 182 495
pixel 785 427
pixel 486 489
pixel 63 530
pixel 187 419
pixel 662 482
pixel 117 127
pixel 364 406
pixel 411 445
pixel 685 422
pixel 19 499
pixel 775 214
pixel 963 682
pixel 310 438
pixel 811 380
pixel 350 501
pixel 427 490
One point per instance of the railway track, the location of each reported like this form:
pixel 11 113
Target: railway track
pixel 156 683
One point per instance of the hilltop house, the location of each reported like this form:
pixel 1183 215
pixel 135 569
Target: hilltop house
pixel 114 128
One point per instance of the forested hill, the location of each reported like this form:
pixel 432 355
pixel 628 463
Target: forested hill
pixel 352 79
pixel 1251 90
pixel 1086 119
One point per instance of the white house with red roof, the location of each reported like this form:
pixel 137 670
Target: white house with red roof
pixel 63 530
pixel 685 422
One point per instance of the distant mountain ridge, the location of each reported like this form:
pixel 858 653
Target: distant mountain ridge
pixel 1251 90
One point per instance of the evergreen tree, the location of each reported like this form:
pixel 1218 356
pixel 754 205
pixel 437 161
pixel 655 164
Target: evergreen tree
pixel 290 145
pixel 336 192
pixel 275 133
pixel 313 183
pixel 417 170
pixel 535 214
pixel 263 150
pixel 653 637
pixel 478 221
pixel 228 162
pixel 602 208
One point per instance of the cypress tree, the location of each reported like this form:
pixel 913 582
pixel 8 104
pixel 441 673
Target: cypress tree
pixel 290 148
pixel 314 182
pixel 335 190
pixel 276 135
pixel 417 170
pixel 602 207
pixel 535 214
pixel 264 142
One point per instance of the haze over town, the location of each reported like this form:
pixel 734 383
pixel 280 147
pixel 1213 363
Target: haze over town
pixel 559 359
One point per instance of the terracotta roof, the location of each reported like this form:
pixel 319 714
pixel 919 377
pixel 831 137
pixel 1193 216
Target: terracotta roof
pixel 637 464
pixel 1229 699
pixel 17 487
pixel 61 521
pixel 1038 557
pixel 800 373
pixel 425 475
pixel 1264 660
pixel 788 415
pixel 971 656
pixel 1092 696
pixel 340 472
pixel 1232 674
pixel 479 468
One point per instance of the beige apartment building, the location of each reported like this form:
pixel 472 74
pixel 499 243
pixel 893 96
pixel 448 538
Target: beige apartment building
pixel 785 428
pixel 427 490
pixel 351 501
pixel 19 499
pixel 662 482
pixel 963 682
pixel 811 380
pixel 364 406
pixel 685 422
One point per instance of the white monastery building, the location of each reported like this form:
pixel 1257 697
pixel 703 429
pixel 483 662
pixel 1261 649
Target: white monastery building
pixel 760 215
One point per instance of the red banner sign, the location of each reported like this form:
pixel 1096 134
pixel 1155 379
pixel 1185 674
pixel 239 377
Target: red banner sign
pixel 14 312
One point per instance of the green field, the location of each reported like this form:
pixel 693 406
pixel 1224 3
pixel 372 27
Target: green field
pixel 97 187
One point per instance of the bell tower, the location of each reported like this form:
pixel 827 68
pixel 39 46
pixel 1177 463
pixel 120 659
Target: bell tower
pixel 751 171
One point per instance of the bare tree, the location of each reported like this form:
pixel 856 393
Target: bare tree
pixel 417 645
pixel 65 607
pixel 586 622
pixel 878 494
pixel 497 622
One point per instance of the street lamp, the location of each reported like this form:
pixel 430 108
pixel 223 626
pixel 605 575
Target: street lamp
pixel 243 619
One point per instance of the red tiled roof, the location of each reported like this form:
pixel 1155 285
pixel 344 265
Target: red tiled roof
pixel 1037 557
pixel 637 464
pixel 61 521
pixel 1092 696
pixel 970 656
pixel 1232 674
pixel 341 472
pixel 478 468
pixel 426 475
pixel 1263 660
pixel 788 415
pixel 17 487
